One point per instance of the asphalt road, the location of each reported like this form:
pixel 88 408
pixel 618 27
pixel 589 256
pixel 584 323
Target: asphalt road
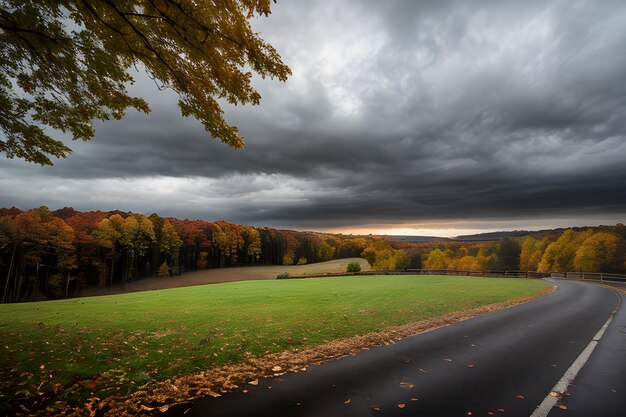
pixel 504 364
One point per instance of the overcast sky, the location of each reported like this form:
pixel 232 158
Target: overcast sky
pixel 433 117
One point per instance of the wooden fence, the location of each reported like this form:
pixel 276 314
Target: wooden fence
pixel 587 276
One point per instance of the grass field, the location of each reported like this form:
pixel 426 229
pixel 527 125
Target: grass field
pixel 112 345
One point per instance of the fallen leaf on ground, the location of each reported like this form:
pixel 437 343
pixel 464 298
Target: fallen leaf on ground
pixel 447 359
pixel 501 410
pixel 164 408
pixel 519 396
pixel 554 394
pixel 347 401
pixel 563 407
pixel 421 370
pixel 376 408
pixel 255 382
pixel 401 405
pixel 146 408
pixel 470 365
pixel 413 399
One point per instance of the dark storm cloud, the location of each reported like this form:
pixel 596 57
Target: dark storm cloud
pixel 397 112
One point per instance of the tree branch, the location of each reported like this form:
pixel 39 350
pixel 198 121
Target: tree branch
pixel 31 31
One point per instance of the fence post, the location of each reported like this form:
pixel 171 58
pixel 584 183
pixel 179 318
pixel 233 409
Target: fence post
pixel 583 275
pixel 600 277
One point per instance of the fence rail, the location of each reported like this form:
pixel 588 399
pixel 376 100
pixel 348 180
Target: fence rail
pixel 587 276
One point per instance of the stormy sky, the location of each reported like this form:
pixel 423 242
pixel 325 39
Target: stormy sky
pixel 416 117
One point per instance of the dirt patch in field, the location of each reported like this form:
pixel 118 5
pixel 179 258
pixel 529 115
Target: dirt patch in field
pixel 216 381
pixel 232 274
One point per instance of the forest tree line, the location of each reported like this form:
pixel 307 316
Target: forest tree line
pixel 594 249
pixel 52 254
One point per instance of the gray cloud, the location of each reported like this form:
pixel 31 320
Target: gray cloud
pixel 398 112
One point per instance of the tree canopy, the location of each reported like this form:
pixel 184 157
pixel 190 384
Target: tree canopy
pixel 66 63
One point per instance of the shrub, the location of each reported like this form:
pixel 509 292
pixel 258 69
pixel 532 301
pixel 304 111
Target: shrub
pixel 288 259
pixel 56 284
pixel 353 267
pixel 302 261
pixel 164 270
pixel 283 275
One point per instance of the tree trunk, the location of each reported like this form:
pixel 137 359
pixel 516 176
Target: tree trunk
pixel 112 265
pixel 18 282
pixel 6 286
pixel 47 278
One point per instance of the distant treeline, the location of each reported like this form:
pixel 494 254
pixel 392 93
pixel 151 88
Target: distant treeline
pixel 594 249
pixel 50 254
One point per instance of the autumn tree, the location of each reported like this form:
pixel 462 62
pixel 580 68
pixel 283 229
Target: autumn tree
pixel 251 244
pixel 468 263
pixel 382 256
pixel 531 253
pixel 325 251
pixel 109 233
pixel 437 259
pixel 67 63
pixel 195 242
pixel 11 212
pixel 137 238
pixel 350 248
pixel 169 244
pixel 487 259
pixel 9 242
pixel 90 261
pixel 227 241
pixel 291 245
pixel 34 237
pixel 559 255
pixel 601 252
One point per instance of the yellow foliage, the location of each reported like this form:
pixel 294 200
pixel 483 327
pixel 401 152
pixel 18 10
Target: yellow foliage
pixel 600 252
pixel 437 259
pixel 288 259
pixel 468 263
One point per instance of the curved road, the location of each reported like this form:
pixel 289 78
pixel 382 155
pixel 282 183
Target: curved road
pixel 504 363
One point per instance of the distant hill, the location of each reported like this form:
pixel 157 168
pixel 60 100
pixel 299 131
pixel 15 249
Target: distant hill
pixel 497 235
pixel 487 236
pixel 400 238
pixel 537 234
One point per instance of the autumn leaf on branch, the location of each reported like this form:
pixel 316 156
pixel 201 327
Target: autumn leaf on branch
pixel 66 63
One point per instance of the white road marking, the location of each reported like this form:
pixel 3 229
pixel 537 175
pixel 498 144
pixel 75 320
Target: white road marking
pixel 550 401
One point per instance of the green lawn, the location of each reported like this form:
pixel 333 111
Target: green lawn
pixel 142 337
